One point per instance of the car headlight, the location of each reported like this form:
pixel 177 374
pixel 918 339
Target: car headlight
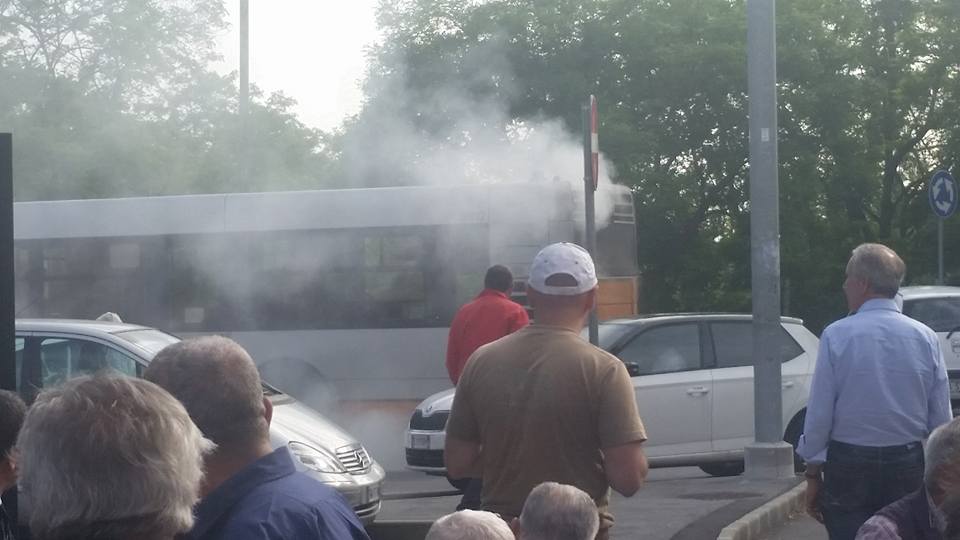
pixel 315 459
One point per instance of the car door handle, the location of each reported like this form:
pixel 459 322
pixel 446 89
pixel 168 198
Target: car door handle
pixel 697 391
pixel 788 384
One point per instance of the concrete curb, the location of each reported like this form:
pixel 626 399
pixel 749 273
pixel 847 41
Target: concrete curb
pixel 767 517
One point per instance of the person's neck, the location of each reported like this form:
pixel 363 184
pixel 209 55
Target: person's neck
pixel 562 320
pixel 222 464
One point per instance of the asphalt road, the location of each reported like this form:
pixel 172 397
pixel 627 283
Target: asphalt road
pixel 676 504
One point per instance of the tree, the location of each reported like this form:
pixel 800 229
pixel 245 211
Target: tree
pixel 868 108
pixel 116 98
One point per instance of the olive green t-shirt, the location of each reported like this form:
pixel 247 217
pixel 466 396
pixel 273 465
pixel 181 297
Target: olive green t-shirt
pixel 543 403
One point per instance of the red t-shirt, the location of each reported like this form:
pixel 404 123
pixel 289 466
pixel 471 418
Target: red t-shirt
pixel 487 318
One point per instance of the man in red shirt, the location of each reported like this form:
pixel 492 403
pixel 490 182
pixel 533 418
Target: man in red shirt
pixel 487 318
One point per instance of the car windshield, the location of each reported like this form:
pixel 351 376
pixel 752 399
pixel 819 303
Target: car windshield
pixel 153 341
pixel 148 339
pixel 940 314
pixel 608 333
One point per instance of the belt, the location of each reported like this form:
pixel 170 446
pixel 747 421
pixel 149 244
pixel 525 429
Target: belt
pixel 895 449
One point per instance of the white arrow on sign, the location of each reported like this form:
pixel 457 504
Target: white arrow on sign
pixel 944 203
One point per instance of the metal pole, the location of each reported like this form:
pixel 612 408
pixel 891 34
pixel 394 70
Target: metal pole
pixel 766 457
pixel 8 373
pixel 939 251
pixel 590 232
pixel 244 105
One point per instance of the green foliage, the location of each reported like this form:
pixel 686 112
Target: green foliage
pixel 869 108
pixel 112 98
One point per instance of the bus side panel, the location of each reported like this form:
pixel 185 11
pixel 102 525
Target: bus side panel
pixel 617 298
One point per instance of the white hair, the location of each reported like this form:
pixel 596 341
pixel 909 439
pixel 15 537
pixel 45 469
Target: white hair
pixel 942 453
pixel 555 511
pixel 109 457
pixel 879 266
pixel 470 525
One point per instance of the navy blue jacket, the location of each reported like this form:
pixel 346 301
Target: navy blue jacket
pixel 270 499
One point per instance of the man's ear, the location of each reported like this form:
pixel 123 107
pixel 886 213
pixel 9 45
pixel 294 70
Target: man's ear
pixel 8 471
pixel 267 409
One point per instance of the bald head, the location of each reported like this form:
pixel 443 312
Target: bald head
pixel 218 384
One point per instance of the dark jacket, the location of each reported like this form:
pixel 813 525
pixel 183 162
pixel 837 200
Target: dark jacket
pixel 912 516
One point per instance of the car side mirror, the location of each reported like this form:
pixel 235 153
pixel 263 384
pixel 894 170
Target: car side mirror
pixel 633 368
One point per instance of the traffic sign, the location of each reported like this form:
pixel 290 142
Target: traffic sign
pixel 943 194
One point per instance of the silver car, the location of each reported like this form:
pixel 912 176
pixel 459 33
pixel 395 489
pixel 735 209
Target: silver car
pixel 49 351
pixel 693 378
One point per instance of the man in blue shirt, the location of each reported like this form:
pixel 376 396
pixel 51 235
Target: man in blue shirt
pixel 250 491
pixel 879 389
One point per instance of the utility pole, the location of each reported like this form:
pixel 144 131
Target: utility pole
pixel 8 373
pixel 244 106
pixel 590 179
pixel 768 456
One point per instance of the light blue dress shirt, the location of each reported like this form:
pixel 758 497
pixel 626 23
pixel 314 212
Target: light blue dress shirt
pixel 880 380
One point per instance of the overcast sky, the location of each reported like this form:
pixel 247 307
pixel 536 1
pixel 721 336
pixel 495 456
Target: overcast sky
pixel 312 50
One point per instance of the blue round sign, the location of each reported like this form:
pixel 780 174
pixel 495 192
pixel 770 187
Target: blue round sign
pixel 943 194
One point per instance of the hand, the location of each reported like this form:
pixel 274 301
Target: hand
pixel 813 498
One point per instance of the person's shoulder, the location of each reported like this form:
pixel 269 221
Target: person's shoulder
pixel 879 527
pixel 295 500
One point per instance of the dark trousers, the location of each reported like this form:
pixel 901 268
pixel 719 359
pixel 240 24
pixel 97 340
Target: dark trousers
pixel 471 495
pixel 860 480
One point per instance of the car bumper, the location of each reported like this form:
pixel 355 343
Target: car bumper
pixel 362 491
pixel 424 450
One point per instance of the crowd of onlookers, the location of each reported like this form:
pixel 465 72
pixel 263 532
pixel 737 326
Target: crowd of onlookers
pixel 185 453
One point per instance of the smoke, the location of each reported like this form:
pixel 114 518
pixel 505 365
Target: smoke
pixel 451 134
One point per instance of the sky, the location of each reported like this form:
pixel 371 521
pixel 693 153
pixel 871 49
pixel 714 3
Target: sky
pixel 312 50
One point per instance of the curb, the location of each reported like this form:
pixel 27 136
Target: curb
pixel 767 517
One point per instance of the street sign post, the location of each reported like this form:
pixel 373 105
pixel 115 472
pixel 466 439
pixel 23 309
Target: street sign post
pixel 591 172
pixel 942 193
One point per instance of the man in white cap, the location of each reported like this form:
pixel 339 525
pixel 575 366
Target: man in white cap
pixel 542 404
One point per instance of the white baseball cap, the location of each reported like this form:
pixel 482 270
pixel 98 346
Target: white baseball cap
pixel 563 258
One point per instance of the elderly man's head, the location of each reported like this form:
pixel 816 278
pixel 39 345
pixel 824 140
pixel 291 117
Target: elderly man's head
pixel 941 474
pixel 874 270
pixel 470 525
pixel 555 511
pixel 218 383
pixel 112 458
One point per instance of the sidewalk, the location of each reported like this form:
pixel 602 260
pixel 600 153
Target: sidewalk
pixel 800 527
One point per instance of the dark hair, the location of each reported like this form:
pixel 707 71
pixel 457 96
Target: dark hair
pixel 498 277
pixel 12 411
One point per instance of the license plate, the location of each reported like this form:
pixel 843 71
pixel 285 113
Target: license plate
pixel 420 442
pixel 955 387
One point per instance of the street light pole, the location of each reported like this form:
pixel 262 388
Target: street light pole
pixel 768 456
pixel 244 105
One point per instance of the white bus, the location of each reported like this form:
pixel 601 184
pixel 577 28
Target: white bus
pixel 338 294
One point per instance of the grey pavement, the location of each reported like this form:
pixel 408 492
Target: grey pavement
pixel 675 504
pixel 800 527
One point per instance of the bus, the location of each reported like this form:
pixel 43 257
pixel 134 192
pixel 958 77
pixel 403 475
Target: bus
pixel 339 295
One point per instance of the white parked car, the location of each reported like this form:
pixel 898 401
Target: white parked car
pixel 693 378
pixel 50 351
pixel 939 308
